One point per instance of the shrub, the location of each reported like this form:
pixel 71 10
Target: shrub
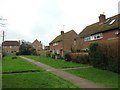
pixel 17 53
pixel 77 57
pixel 104 55
pixel 67 57
pixel 96 56
pixel 53 56
pixel 80 57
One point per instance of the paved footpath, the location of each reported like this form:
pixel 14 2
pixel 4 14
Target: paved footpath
pixel 80 82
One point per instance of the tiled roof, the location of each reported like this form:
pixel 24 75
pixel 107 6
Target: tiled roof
pixel 109 24
pixel 11 43
pixel 61 37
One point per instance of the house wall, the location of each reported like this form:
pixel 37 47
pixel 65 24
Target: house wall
pixel 11 49
pixel 55 48
pixel 68 41
pixel 38 46
pixel 65 45
pixel 108 35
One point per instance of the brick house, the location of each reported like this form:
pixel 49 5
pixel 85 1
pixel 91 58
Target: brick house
pixel 105 29
pixel 62 43
pixel 37 45
pixel 11 47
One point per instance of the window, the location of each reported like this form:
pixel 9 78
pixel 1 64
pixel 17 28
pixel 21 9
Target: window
pixel 55 44
pixel 87 39
pixel 112 21
pixel 15 46
pixel 74 42
pixel 94 37
pixel 99 36
pixel 107 20
pixel 117 32
pixel 10 46
pixel 57 51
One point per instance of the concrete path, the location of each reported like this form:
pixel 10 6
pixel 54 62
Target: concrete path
pixel 77 67
pixel 80 82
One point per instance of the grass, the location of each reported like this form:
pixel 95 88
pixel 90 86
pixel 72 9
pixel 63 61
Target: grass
pixel 41 79
pixel 10 65
pixel 34 80
pixel 103 77
pixel 59 63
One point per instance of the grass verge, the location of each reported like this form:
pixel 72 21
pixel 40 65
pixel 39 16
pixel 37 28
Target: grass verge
pixel 103 77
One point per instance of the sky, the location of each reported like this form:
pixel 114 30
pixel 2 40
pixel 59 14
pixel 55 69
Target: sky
pixel 44 19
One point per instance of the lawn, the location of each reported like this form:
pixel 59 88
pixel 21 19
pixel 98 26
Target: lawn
pixel 34 80
pixel 39 79
pixel 12 65
pixel 103 77
pixel 59 63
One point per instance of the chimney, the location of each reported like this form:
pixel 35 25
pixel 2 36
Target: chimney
pixel 62 32
pixel 102 18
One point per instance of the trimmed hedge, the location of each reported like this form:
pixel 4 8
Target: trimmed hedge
pixel 77 57
pixel 104 55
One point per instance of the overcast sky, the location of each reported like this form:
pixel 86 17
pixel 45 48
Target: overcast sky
pixel 44 19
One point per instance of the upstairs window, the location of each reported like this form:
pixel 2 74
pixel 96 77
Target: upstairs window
pixel 98 36
pixel 55 44
pixel 10 46
pixel 94 37
pixel 87 39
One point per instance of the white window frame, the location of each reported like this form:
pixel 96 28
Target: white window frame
pixel 94 37
pixel 55 44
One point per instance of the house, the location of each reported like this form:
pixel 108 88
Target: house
pixel 62 43
pixel 11 47
pixel 46 47
pixel 105 29
pixel 37 45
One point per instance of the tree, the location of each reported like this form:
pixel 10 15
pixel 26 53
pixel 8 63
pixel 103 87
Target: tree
pixel 26 48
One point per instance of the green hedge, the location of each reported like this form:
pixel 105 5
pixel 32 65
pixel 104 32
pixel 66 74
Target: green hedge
pixel 104 55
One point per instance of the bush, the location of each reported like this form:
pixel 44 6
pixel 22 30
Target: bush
pixel 67 57
pixel 80 57
pixel 104 55
pixel 17 53
pixel 53 56
pixel 77 57
pixel 14 57
pixel 96 56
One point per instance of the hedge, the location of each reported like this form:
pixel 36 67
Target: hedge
pixel 77 57
pixel 104 55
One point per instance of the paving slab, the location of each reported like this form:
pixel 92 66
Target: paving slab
pixel 79 82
